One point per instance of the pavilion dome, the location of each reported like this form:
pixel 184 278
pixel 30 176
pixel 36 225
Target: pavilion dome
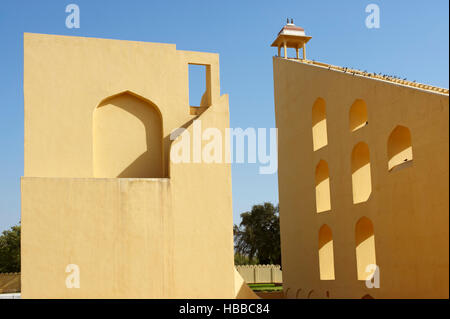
pixel 292 29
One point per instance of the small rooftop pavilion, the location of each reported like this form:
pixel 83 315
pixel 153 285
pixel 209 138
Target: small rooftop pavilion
pixel 291 36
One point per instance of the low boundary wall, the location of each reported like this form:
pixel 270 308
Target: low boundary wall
pixel 258 274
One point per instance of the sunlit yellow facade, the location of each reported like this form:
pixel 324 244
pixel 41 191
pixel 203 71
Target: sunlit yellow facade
pixel 363 180
pixel 99 190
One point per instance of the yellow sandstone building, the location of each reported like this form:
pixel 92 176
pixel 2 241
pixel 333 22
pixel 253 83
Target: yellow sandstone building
pixel 363 180
pixel 100 199
pixel 363 177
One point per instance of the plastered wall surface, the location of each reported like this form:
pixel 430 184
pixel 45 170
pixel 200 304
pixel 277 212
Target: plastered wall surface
pixel 407 206
pixel 67 78
pixel 137 225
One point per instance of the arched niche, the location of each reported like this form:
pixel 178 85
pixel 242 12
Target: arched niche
pixel 326 254
pixel 286 293
pixel 319 124
pixel 361 175
pixel 358 115
pixel 127 138
pixel 399 147
pixel 365 246
pixel 322 181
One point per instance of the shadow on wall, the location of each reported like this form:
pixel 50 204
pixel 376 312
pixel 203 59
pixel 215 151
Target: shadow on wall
pixel 326 255
pixel 358 115
pixel 319 124
pixel 361 177
pixel 322 180
pixel 365 246
pixel 127 137
pixel 399 148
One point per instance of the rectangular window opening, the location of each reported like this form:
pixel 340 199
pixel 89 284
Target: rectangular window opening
pixel 199 86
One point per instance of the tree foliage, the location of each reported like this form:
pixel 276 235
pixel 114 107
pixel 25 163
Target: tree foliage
pixel 240 259
pixel 10 250
pixel 258 234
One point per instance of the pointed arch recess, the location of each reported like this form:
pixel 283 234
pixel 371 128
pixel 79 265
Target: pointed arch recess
pixel 127 138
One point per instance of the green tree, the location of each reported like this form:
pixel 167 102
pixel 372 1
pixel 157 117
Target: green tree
pixel 10 250
pixel 240 259
pixel 258 234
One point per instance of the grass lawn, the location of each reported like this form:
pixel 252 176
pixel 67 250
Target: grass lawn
pixel 265 287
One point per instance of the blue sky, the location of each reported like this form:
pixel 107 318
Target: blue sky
pixel 412 42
